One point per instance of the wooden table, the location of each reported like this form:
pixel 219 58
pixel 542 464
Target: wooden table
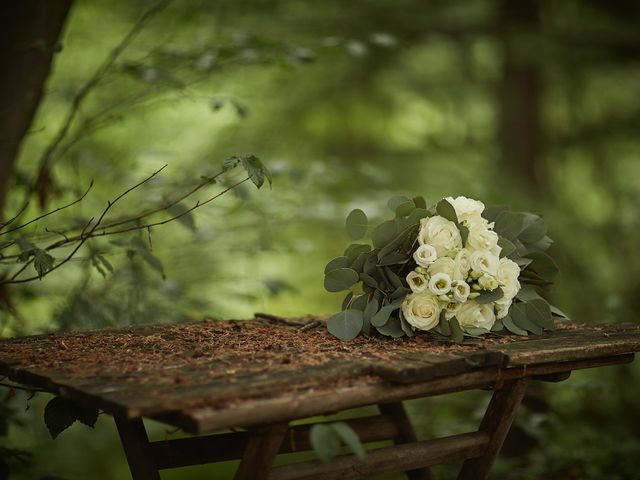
pixel 209 376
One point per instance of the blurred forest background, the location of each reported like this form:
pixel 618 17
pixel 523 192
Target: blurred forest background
pixel 535 104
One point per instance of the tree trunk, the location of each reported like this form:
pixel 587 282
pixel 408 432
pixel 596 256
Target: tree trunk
pixel 29 32
pixel 520 123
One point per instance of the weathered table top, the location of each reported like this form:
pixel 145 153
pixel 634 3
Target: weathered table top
pixel 194 374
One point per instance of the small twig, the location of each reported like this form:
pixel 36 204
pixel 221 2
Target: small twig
pixel 310 324
pixel 79 199
pixel 276 318
pixel 12 219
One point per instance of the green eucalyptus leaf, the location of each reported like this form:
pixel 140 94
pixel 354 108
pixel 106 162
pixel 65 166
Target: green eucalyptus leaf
pixel 357 224
pixel 397 200
pixel 371 309
pixel 534 230
pixel 527 292
pixel 490 296
pixel 446 210
pixel 539 312
pixel 543 265
pixel 399 293
pixel 355 249
pixel 381 318
pixel 540 246
pixel 405 209
pixel 340 279
pixel 557 312
pixel 445 328
pixel 346 325
pixel 325 441
pixel 368 280
pixel 497 326
pixel 491 213
pixel 406 327
pixel 339 262
pixel 347 301
pixel 519 314
pixel 464 233
pixel 394 279
pixel 370 264
pixel 350 439
pixel 509 224
pixel 417 215
pixel 512 327
pixel 384 233
pixel 507 246
pixel 396 242
pixel 420 202
pixel 393 259
pixel 392 328
pixel 360 302
pixel 358 263
pixel 457 335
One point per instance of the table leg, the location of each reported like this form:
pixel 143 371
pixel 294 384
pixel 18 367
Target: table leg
pixel 262 448
pixel 407 434
pixel 496 422
pixel 137 449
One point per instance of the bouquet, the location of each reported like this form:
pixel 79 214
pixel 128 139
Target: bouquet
pixel 456 270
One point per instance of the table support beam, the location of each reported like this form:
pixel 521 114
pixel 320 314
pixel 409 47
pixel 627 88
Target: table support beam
pixel 496 423
pixel 137 449
pixel 261 450
pixel 406 434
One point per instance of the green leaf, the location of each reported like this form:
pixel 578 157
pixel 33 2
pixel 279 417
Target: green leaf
pixel 464 233
pixel 539 312
pixel 392 328
pixel 540 246
pixel 512 327
pixel 557 312
pixel 497 326
pixel 153 261
pixel 457 335
pixel 393 259
pixel 444 325
pixel 350 439
pixel 368 280
pixel 509 224
pixel 338 262
pixel 393 278
pixel 534 229
pixel 105 262
pixel 446 210
pixel 355 249
pixel 61 413
pixel 490 296
pixel 358 263
pixel 347 300
pixel 230 163
pixel 340 279
pixel 397 200
pixel 360 302
pixel 183 215
pixel 417 215
pixel 399 293
pixel 357 224
pixel 527 292
pixel 371 309
pixel 520 316
pixel 346 325
pixel 325 441
pixel 491 213
pixel 507 246
pixel 381 318
pixel 405 208
pixel 42 262
pixel 543 265
pixel 396 242
pixel 420 202
pixel 256 170
pixel 384 233
pixel 406 327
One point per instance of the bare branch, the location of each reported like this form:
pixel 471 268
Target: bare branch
pixel 49 152
pixel 77 200
pixel 12 219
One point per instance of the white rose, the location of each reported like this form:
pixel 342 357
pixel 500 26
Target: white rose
pixel 502 307
pixel 488 282
pixel 440 284
pixel 461 291
pixel 483 261
pixel 463 263
pixel 441 233
pixel 417 283
pixel 421 310
pixel 466 208
pixel 475 315
pixel 507 274
pixel 444 265
pixel 425 255
pixel 481 237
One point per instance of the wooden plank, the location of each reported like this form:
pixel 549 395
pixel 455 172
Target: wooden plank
pixel 496 423
pixel 305 404
pixel 137 449
pixel 260 452
pixel 406 434
pixel 394 459
pixel 230 446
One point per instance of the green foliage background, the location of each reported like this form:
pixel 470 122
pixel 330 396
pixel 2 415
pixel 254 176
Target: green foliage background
pixel 400 98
